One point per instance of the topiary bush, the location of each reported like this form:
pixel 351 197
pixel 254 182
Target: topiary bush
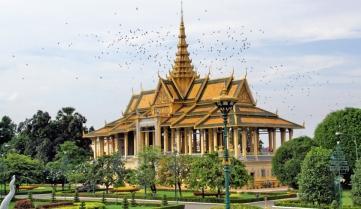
pixel 76 196
pixel 164 200
pixel 82 205
pixel 133 203
pixel 125 203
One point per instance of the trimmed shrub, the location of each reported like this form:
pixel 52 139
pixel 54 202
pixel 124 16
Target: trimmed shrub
pixel 164 200
pixel 30 196
pixel 82 205
pixel 133 203
pixel 104 200
pixel 125 203
pixel 125 189
pixel 76 196
pixel 173 207
pixel 88 205
pixel 23 204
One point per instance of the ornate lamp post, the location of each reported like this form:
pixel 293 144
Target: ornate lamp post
pixel 339 167
pixel 225 103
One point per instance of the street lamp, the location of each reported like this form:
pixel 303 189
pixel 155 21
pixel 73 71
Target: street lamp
pixel 225 103
pixel 354 141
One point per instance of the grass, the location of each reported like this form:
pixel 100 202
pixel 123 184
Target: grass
pixel 346 198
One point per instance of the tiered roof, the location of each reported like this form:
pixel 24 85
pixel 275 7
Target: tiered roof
pixel 185 100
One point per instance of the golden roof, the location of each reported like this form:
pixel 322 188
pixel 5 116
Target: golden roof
pixel 185 100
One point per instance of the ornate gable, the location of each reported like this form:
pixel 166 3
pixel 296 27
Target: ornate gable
pixel 244 94
pixel 162 97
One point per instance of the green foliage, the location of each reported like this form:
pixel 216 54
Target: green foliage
pixel 316 180
pixel 30 196
pixel 356 184
pixel 76 196
pixel 27 170
pixel 133 203
pixel 347 122
pixel 172 207
pixel 170 167
pixel 109 170
pixel 88 205
pixel 53 197
pixel 164 200
pixel 125 203
pixel 131 176
pixel 207 172
pixel 40 136
pixel 148 162
pixel 82 205
pixel 104 200
pixel 286 163
pixel 7 129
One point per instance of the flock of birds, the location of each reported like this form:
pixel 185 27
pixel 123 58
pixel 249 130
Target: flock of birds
pixel 136 50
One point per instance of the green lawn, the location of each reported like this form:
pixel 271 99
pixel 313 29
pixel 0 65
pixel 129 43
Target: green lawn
pixel 346 198
pixel 119 206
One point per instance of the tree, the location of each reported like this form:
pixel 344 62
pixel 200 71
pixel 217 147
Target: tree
pixel 316 180
pixel 286 163
pixel 167 171
pixel 26 169
pixel 4 174
pixel 356 184
pixel 110 170
pixel 7 129
pixel 40 136
pixel 239 174
pixel 148 162
pixel 347 122
pixel 55 173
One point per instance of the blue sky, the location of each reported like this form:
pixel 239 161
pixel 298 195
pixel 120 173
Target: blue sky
pixel 304 57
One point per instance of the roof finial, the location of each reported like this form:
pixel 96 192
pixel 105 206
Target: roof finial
pixel 181 10
pixel 245 76
pixel 141 86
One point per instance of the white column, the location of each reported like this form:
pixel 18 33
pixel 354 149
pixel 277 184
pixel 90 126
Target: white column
pixel 125 145
pixel 235 141
pixel 210 140
pixel 190 143
pixel 215 141
pixel 165 150
pixel 178 142
pixel 283 135
pixel 244 142
pixel 202 141
pixel 290 133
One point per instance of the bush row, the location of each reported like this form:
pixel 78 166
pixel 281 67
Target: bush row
pixel 171 207
pixel 299 203
pixel 238 206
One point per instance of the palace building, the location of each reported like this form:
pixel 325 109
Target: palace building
pixel 180 115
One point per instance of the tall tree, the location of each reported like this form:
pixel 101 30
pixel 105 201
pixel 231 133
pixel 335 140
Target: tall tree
pixel 110 170
pixel 7 129
pixel 316 180
pixel 286 164
pixel 346 122
pixel 146 172
pixel 174 168
pixel 26 169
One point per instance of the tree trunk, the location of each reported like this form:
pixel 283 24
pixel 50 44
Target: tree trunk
pixel 106 188
pixel 218 193
pixel 203 192
pixel 180 189
pixel 62 186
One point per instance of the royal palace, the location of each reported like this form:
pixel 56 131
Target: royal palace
pixel 179 115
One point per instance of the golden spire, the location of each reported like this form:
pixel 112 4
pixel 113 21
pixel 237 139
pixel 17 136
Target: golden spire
pixel 183 71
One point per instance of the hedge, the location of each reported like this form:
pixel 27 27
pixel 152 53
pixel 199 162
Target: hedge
pixel 299 203
pixel 171 207
pixel 192 199
pixel 238 206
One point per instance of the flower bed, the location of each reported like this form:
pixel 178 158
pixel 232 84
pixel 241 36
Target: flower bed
pixel 28 187
pixel 125 189
pixel 55 205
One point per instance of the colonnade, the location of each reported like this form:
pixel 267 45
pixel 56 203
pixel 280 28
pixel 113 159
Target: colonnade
pixel 242 141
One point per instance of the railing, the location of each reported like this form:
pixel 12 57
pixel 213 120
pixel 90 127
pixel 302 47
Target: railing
pixel 261 157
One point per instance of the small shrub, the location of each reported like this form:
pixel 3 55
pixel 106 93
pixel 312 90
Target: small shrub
pixel 104 200
pixel 125 203
pixel 23 204
pixel 30 196
pixel 82 205
pixel 133 203
pixel 164 200
pixel 76 196
pixel 53 198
